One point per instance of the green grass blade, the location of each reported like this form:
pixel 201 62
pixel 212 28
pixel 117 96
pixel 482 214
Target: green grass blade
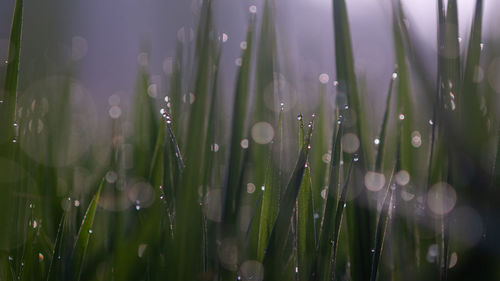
pixel 83 236
pixel 305 232
pixel 383 128
pixel 9 99
pixel 52 273
pixel 323 259
pixel 381 230
pixel 274 255
pixel 339 213
pixel 232 190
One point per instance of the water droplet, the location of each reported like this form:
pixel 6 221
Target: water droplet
pixel 214 147
pixel 376 141
pixel 77 203
pixel 355 158
pixel 15 124
pixel 345 205
pixel 90 231
pixel 11 258
pixel 252 9
pixel 163 111
pixel 1 101
pixel 137 207
pixel 316 216
pixel 431 122
pixel 346 106
pixel 394 76
pixel 40 256
pixel 296 269
pixel 243 45
pixel 250 187
pixel 111 176
pixel 335 83
pixel 416 139
pixel 299 117
pixel 224 37
pixel 14 141
pixel 324 78
pixel 244 143
pixel 166 99
pixel 262 188
pixel 309 146
pixel 481 46
pixel 237 62
pixel 115 112
pixel 372 250
pixel 401 117
pixel 161 197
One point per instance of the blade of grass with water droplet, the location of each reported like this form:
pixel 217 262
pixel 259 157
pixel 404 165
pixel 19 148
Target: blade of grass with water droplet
pixel 383 129
pixel 189 231
pixel 380 233
pixel 54 262
pixel 274 254
pixel 239 126
pixel 305 232
pixel 84 234
pixel 9 95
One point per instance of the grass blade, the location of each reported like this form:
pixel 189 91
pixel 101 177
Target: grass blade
pixel 274 254
pixel 84 234
pixel 9 98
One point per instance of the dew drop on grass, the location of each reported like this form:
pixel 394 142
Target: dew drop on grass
pixel 346 107
pixel 115 112
pixel 376 141
pixel 252 9
pixel 137 207
pixel 316 216
pixel 40 257
pixel 90 231
pixel 335 83
pixel 416 139
pixel 394 76
pixel 262 188
pixel 111 176
pixel 243 45
pixel 299 117
pixel 324 78
pixel 431 122
pixel 401 117
pixel 250 187
pixel 11 258
pixel 225 37
pixel 76 203
pixel 244 143
pixel 237 62
pixel 355 158
pixel 214 147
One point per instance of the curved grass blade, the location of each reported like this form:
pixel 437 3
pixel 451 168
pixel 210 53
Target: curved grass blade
pixel 9 98
pixel 274 255
pixel 83 236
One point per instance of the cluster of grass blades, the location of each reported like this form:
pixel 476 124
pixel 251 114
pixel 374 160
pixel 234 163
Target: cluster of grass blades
pixel 180 199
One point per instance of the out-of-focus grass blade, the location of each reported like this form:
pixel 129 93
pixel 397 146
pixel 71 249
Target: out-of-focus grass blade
pixel 404 97
pixel 271 196
pixel 189 228
pixel 9 98
pixel 274 254
pixel 232 190
pixel 83 236
pixel 471 110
